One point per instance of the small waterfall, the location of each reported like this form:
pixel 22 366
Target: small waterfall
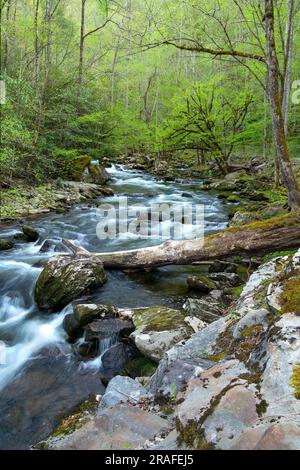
pixel 104 345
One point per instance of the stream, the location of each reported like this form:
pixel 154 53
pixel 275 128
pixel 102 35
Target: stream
pixel 42 379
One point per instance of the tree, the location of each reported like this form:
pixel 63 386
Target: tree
pixel 268 57
pixel 212 122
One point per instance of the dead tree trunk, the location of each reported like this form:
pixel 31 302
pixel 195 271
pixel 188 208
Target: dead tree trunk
pixel 255 238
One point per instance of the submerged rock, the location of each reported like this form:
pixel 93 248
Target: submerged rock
pixel 65 278
pixel 5 244
pixel 158 329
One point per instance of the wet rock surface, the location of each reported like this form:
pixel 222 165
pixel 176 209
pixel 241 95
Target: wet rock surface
pixel 65 278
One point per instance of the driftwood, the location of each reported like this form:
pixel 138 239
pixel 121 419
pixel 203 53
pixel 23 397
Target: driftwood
pixel 256 238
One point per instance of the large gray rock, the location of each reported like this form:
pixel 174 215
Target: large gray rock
pixel 235 412
pixel 120 427
pixel 281 358
pixel 65 278
pixel 123 389
pixel 206 389
pixel 193 351
pixel 158 329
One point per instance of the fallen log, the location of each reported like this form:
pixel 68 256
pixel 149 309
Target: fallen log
pixel 278 233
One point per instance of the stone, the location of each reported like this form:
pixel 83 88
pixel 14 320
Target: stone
pixel 97 174
pixel 158 329
pixel 194 352
pixel 30 234
pixel 284 435
pixel 106 328
pixel 120 427
pixel 202 391
pixel 252 318
pixel 65 278
pixel 235 412
pixel 52 245
pixel 281 357
pixel 243 218
pixel 256 289
pixel 124 389
pixel 176 376
pixel 226 279
pixel 5 244
pixel 114 360
pixel 207 309
pixel 201 284
pixel 85 313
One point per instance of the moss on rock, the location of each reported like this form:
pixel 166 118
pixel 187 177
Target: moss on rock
pixel 295 381
pixel 290 297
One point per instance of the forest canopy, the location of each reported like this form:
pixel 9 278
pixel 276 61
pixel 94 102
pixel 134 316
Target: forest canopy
pixel 103 78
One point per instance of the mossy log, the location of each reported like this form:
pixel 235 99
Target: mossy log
pixel 259 237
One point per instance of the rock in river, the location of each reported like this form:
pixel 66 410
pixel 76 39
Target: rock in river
pixel 30 234
pixel 5 244
pixel 158 329
pixel 65 278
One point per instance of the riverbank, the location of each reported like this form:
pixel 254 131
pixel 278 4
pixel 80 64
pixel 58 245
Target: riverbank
pixel 23 201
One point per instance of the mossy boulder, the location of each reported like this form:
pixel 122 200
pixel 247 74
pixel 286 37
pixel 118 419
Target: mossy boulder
pixel 97 174
pixel 5 244
pixel 201 283
pixel 65 278
pixel 242 218
pixel 158 329
pixel 78 166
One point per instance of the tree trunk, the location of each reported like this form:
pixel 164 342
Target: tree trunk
pixel 287 173
pixel 6 38
pixel 256 238
pixel 288 63
pixel 36 42
pixel 81 44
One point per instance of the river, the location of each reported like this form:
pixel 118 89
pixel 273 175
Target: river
pixel 42 379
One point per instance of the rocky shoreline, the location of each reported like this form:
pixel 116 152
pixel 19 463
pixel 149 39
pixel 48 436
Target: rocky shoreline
pixel 230 382
pixel 28 202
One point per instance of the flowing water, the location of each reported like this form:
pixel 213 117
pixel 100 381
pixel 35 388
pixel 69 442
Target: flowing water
pixel 40 377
